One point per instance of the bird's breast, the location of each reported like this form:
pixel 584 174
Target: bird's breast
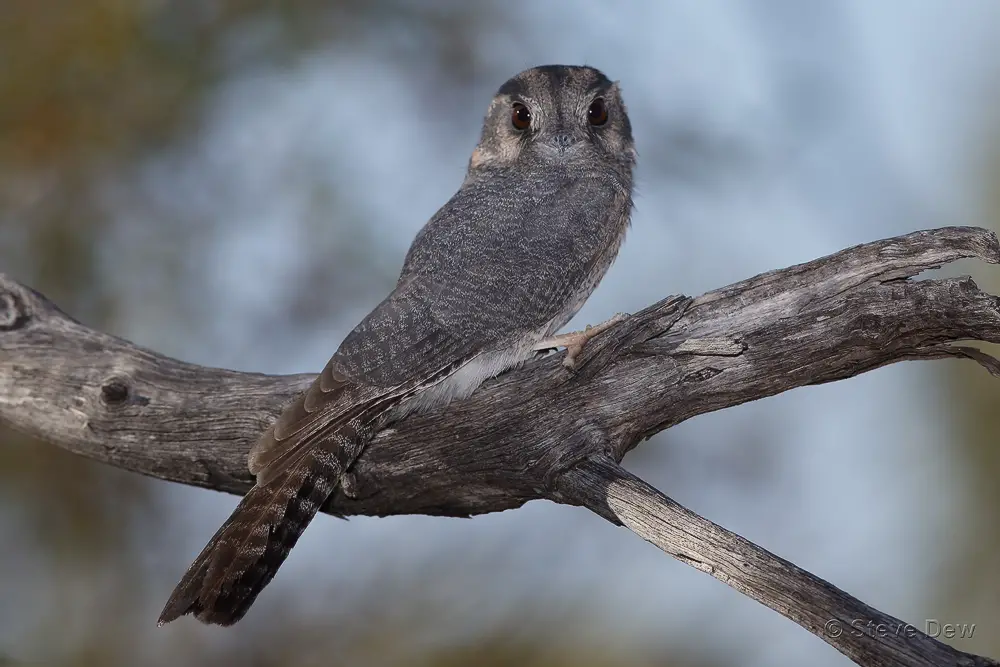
pixel 603 257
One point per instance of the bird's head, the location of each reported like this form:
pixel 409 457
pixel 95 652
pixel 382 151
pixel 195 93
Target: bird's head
pixel 556 115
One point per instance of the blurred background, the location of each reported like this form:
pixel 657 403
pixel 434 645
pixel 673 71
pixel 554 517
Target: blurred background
pixel 182 173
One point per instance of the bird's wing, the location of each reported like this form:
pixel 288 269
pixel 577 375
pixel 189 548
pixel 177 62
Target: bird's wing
pixel 331 404
pixel 396 349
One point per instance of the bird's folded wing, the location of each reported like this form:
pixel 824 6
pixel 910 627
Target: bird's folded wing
pixel 322 409
pixel 336 407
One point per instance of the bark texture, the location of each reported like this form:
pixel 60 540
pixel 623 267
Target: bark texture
pixel 543 431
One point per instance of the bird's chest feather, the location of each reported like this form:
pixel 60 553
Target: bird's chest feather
pixel 603 252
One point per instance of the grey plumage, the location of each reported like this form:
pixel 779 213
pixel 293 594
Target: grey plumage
pixel 503 265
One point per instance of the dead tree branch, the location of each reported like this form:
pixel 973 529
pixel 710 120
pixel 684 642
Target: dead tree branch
pixel 542 431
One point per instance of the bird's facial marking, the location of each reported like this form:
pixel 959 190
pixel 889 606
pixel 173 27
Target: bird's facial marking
pixel 555 115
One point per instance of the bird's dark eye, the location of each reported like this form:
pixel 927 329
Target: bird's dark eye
pixel 597 114
pixel 520 116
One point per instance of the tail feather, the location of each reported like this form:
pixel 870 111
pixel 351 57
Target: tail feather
pixel 246 552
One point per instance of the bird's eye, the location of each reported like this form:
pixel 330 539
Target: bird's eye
pixel 520 116
pixel 597 114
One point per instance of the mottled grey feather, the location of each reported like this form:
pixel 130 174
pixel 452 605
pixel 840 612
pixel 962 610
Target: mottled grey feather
pixel 479 278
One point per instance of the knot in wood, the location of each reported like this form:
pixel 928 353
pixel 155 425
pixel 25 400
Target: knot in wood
pixel 701 375
pixel 13 314
pixel 115 391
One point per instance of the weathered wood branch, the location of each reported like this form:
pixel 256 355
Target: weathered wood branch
pixel 542 431
pixel 862 633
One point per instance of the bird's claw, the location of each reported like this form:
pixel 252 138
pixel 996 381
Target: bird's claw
pixel 574 341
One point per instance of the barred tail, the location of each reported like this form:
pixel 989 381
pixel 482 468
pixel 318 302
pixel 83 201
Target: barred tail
pixel 246 552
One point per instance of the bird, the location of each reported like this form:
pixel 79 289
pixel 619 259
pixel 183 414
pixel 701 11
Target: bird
pixel 486 285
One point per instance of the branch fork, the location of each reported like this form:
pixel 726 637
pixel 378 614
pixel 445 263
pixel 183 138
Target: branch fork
pixel 543 431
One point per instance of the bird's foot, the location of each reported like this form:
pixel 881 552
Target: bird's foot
pixel 575 340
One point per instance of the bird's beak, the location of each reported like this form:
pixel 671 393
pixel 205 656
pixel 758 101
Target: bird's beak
pixel 563 143
pixel 563 140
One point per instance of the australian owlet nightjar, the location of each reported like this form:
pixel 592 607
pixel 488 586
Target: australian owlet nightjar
pixel 489 279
